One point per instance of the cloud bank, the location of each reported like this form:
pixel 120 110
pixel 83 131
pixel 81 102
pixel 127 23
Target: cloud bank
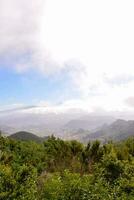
pixel 91 41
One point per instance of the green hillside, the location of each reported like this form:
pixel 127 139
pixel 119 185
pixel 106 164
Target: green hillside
pixel 66 170
pixel 26 136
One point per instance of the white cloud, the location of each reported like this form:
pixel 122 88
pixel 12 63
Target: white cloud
pixel 92 40
pixel 130 101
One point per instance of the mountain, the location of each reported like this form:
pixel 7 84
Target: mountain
pixel 43 123
pixel 72 124
pixel 26 136
pixel 89 122
pixel 74 134
pixel 118 130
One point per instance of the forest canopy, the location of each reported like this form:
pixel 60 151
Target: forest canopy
pixel 64 170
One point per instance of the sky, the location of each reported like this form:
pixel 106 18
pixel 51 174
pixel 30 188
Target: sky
pixel 67 54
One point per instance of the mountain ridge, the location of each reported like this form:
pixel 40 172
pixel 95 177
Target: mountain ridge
pixel 27 136
pixel 118 130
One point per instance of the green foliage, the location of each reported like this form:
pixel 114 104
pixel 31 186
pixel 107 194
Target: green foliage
pixel 66 170
pixel 17 184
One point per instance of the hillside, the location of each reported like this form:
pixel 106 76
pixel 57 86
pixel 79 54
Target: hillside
pixel 26 136
pixel 66 170
pixel 118 130
pixel 89 122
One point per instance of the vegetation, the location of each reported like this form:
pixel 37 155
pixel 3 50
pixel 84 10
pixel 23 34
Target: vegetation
pixel 66 170
pixel 26 136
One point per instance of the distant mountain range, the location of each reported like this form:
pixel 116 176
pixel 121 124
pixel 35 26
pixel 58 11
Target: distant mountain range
pixel 118 130
pixel 51 123
pixel 89 122
pixel 82 127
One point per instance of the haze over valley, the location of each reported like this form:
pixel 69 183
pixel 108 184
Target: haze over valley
pixel 70 124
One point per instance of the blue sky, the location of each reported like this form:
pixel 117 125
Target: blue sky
pixel 74 53
pixel 32 87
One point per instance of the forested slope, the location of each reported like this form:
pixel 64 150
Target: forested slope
pixel 64 170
